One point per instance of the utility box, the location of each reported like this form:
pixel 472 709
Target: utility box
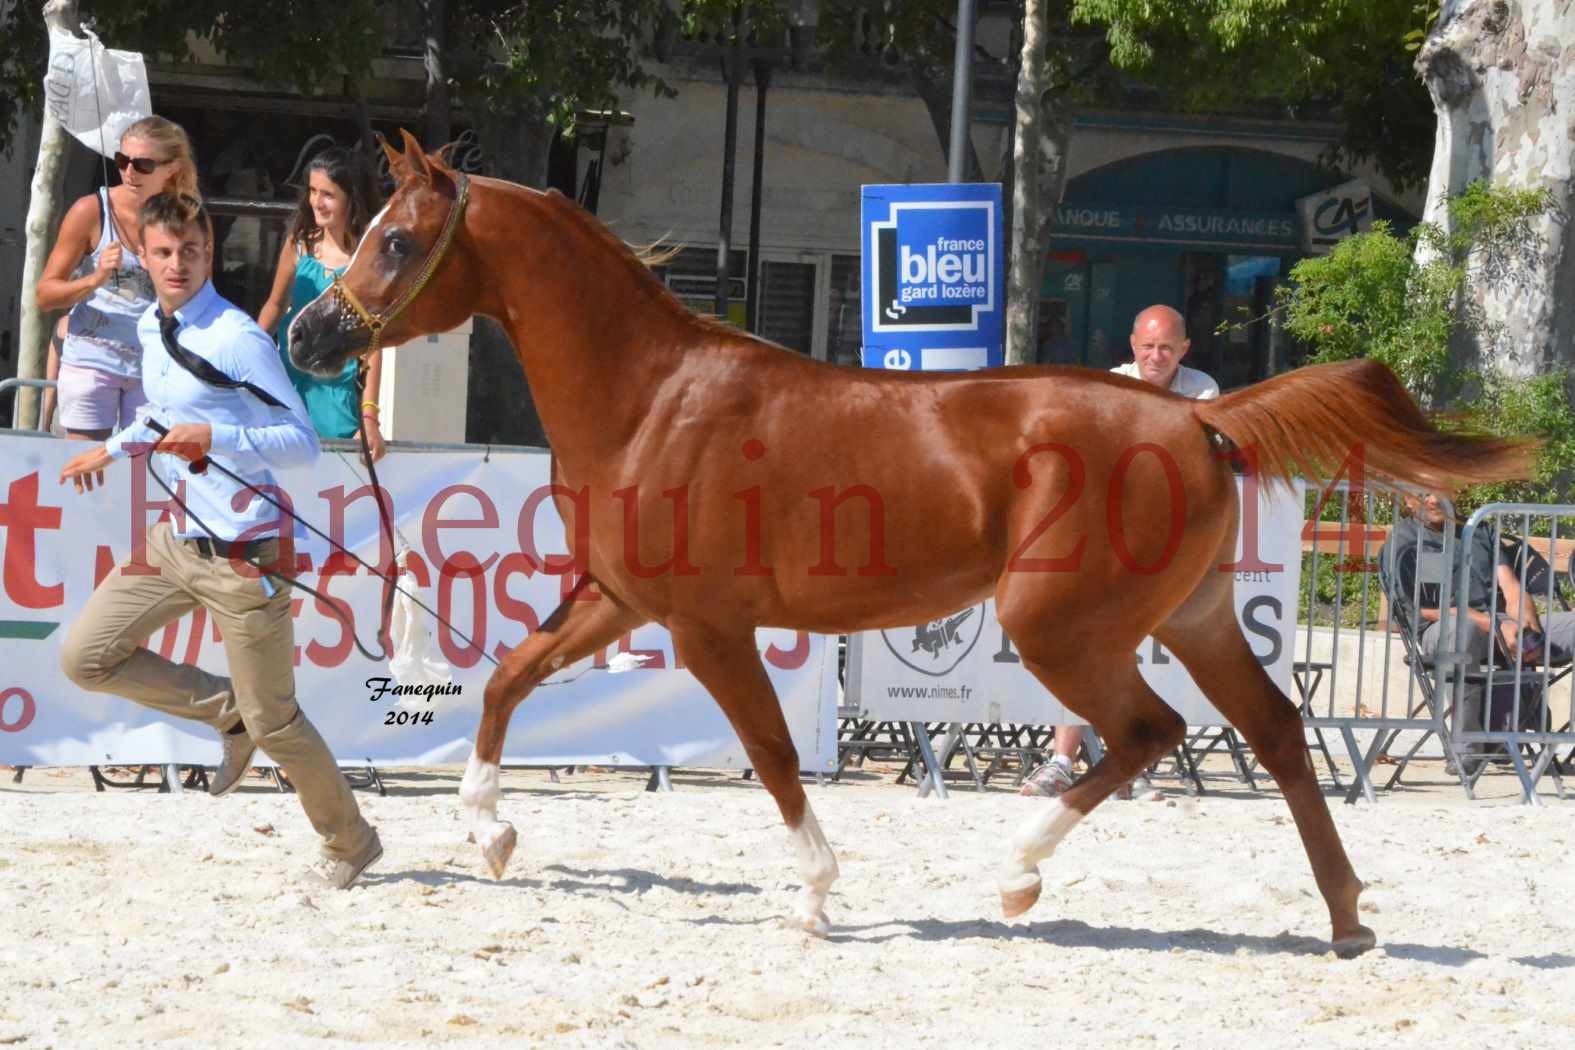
pixel 424 389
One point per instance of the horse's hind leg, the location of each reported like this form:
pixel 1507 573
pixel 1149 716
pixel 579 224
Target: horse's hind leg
pixel 1136 726
pixel 728 665
pixel 1224 667
pixel 576 629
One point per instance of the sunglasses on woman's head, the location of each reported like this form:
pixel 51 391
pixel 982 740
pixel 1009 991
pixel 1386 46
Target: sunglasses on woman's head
pixel 144 165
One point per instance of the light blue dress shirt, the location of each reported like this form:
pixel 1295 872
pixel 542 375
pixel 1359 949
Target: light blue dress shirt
pixel 249 436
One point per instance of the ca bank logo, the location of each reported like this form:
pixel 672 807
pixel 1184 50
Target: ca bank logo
pixel 933 266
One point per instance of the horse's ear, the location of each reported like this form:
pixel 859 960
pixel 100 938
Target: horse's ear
pixel 396 160
pixel 415 156
pixel 443 174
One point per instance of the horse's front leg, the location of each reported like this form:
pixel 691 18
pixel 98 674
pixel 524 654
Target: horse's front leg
pixel 583 624
pixel 727 663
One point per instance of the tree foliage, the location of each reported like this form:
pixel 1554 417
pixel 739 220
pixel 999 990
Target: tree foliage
pixel 549 59
pixel 290 44
pixel 1397 300
pixel 1348 59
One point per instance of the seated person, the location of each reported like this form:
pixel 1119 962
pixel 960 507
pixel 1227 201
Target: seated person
pixel 1537 638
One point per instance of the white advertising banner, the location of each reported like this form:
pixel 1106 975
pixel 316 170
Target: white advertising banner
pixel 485 548
pixel 963 668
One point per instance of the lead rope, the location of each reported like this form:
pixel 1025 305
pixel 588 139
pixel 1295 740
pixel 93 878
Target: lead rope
pixel 619 663
pixel 332 604
pixel 103 150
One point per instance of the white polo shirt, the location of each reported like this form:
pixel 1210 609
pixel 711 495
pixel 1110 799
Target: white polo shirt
pixel 1188 382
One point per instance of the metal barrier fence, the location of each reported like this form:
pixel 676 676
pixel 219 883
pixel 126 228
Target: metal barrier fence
pixel 1351 673
pixel 1507 681
pixel 17 385
pixel 1385 653
pixel 1377 667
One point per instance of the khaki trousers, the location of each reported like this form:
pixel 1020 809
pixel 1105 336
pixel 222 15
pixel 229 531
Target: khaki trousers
pixel 104 653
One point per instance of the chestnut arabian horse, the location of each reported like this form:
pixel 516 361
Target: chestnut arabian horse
pixel 714 483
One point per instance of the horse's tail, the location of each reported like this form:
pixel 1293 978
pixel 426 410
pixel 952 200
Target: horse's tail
pixel 1309 421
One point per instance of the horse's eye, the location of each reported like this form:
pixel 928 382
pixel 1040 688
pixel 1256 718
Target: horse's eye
pixel 396 246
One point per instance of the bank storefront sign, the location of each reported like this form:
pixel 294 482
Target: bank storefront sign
pixel 932 276
pixel 1330 216
pixel 1161 224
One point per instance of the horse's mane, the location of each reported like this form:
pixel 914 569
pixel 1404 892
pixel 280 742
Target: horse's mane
pixel 640 263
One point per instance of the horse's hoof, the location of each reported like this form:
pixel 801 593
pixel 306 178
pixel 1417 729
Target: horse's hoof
pixel 1352 945
pixel 1019 893
pixel 817 926
pixel 497 846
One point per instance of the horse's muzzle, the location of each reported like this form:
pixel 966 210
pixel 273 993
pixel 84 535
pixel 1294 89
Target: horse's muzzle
pixel 323 338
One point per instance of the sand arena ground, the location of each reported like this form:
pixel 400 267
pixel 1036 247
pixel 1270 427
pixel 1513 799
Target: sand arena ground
pixel 651 920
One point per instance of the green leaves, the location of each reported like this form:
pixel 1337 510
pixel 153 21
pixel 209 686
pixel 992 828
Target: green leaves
pixel 551 57
pixel 1371 297
pixel 283 43
pixel 1344 59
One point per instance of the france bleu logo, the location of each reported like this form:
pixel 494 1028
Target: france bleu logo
pixel 932 276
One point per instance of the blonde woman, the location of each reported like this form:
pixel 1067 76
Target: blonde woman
pixel 95 271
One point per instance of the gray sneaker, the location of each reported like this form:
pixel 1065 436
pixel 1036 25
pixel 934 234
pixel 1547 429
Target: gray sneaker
pixel 238 752
pixel 342 872
pixel 1047 781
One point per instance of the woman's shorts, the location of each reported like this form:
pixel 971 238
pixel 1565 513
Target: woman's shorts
pixel 92 399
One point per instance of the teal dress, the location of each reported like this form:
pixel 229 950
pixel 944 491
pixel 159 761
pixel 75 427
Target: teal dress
pixel 334 405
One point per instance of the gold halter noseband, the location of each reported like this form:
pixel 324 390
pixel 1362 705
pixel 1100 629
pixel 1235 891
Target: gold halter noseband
pixel 353 313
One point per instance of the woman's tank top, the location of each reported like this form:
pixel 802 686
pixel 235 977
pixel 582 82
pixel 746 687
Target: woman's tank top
pixel 101 330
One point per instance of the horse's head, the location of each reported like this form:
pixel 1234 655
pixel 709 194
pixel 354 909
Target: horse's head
pixel 409 275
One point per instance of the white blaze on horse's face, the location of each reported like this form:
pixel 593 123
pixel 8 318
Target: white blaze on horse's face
pixel 377 220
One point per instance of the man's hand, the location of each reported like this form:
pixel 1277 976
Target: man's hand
pixel 1511 633
pixel 189 441
pixel 86 469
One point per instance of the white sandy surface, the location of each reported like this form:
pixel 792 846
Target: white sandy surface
pixel 651 920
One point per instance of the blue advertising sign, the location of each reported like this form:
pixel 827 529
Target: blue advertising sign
pixel 933 276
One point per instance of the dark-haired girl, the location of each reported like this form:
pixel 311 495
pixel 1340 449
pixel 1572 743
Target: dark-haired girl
pixel 334 210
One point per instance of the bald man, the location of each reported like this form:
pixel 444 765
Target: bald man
pixel 1159 342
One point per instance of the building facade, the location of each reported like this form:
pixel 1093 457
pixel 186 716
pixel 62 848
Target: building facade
pixel 1197 212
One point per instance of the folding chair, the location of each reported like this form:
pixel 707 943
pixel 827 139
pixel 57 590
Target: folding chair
pixel 1426 569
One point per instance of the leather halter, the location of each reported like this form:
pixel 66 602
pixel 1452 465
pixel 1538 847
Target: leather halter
pixel 351 310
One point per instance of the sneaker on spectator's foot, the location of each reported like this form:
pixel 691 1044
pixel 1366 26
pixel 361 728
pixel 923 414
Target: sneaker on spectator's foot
pixel 238 750
pixel 342 872
pixel 1047 780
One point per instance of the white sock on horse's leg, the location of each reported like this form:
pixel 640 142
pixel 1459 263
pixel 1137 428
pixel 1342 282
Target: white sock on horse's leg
pixel 479 792
pixel 818 867
pixel 1035 840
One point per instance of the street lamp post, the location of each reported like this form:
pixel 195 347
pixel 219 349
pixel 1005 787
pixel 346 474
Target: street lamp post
pixel 962 92
pixel 733 70
pixel 756 190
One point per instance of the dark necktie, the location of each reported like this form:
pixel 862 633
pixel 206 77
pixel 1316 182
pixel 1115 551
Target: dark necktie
pixel 205 371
